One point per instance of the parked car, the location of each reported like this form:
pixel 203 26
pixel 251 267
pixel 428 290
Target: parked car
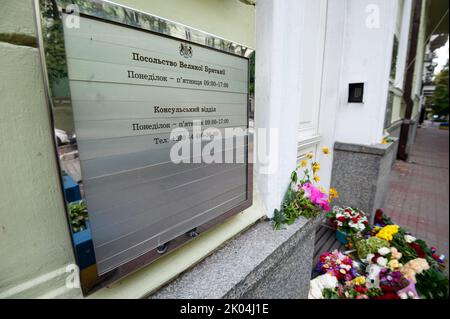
pixel 61 137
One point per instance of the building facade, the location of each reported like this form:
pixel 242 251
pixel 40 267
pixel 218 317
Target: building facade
pixel 329 73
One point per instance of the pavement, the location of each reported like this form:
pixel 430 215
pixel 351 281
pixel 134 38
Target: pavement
pixel 418 198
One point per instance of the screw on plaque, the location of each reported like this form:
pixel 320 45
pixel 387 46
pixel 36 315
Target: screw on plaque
pixel 162 248
pixel 192 233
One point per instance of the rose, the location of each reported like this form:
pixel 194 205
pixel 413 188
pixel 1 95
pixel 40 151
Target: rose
pixel 382 261
pixel 395 254
pixel 418 249
pixel 413 267
pixel 383 251
pixel 394 264
pixel 361 289
pixel 387 289
pixel 375 258
pixel 388 296
pixel 410 239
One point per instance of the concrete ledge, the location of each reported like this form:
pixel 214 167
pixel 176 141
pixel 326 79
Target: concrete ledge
pixel 260 263
pixel 377 149
pixel 360 174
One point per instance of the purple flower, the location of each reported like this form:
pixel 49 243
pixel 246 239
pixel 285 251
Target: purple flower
pixel 394 279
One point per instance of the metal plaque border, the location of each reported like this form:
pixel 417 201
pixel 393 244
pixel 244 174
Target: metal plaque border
pixel 114 13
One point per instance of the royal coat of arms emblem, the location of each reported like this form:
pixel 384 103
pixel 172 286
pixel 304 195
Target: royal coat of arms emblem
pixel 185 50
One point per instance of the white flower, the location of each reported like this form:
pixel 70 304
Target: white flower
pixel 410 239
pixel 382 261
pixel 369 257
pixel 411 294
pixel 403 295
pixel 383 251
pixel 319 284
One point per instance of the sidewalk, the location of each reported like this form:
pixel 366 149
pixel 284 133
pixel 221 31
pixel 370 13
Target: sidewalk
pixel 418 197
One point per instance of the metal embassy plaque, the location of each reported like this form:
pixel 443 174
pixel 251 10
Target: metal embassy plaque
pixel 141 102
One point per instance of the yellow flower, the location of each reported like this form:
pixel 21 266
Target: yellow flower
pixel 361 280
pixel 384 141
pixel 334 193
pixel 316 178
pixel 309 155
pixel 316 167
pixel 388 232
pixel 325 150
pixel 394 264
pixel 303 163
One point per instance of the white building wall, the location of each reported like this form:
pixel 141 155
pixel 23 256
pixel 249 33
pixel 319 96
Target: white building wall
pixel 368 45
pixel 352 41
pixel 331 83
pixel 310 130
pixel 277 90
pixel 404 44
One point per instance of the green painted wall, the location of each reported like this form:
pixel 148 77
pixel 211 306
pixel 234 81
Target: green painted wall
pixel 34 239
pixel 229 19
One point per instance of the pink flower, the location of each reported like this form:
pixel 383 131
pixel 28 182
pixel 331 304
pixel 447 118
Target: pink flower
pixel 316 196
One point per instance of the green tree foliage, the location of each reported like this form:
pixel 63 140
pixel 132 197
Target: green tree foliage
pixel 54 42
pixel 440 98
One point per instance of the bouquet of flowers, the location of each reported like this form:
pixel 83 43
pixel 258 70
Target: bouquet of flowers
pixel 388 263
pixel 338 265
pixel 303 198
pixel 392 281
pixel 355 289
pixel 347 291
pixel 348 220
